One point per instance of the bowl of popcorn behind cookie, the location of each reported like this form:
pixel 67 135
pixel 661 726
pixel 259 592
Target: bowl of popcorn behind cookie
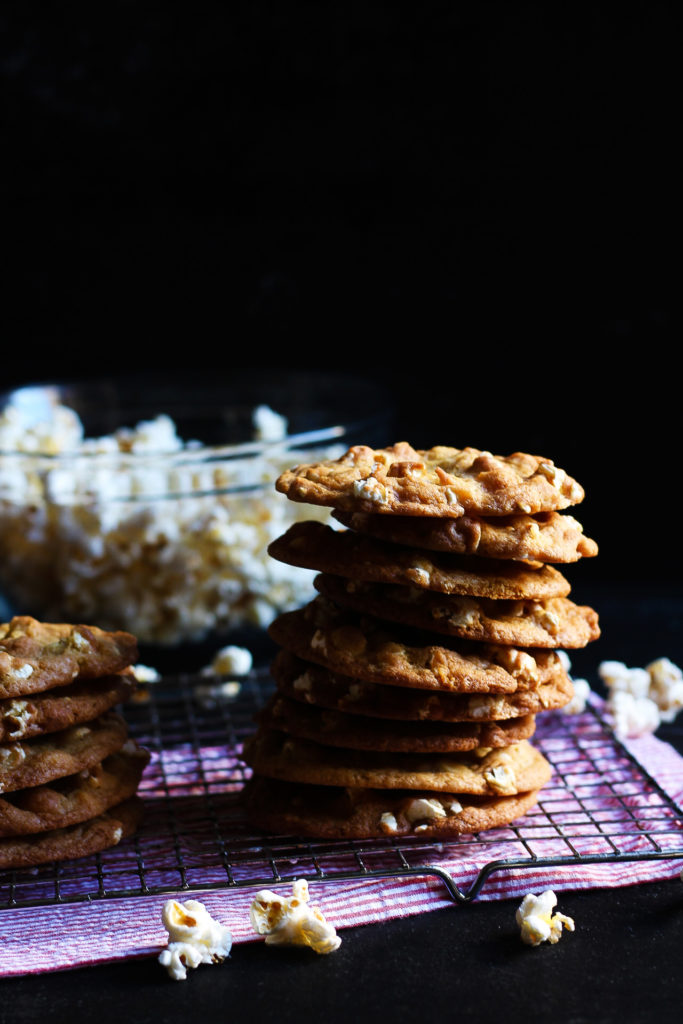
pixel 150 506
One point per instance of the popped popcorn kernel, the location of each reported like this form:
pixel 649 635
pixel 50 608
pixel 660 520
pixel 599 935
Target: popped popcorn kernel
pixel 194 938
pixel 640 699
pixel 632 716
pixel 388 823
pixel 230 660
pixel 291 921
pixel 145 674
pixel 537 922
pixel 577 705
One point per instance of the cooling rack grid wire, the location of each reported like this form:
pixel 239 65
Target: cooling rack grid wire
pixel 600 806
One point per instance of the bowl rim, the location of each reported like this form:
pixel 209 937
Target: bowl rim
pixel 189 452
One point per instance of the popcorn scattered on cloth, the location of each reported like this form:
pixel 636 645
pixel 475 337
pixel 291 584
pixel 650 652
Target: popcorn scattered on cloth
pixel 536 920
pixel 607 780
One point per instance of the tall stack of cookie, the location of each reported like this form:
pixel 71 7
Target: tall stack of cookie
pixel 69 773
pixel 407 690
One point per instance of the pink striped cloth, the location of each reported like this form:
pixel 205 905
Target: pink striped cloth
pixel 600 813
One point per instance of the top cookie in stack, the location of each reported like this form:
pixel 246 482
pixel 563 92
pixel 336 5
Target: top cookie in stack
pixel 408 689
pixel 68 771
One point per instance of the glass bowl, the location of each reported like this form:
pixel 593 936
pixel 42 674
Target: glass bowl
pixel 149 506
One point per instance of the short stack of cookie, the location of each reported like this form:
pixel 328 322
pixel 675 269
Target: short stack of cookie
pixel 407 690
pixel 69 772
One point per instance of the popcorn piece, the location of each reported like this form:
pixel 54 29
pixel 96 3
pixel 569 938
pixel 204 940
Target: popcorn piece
pixel 292 921
pixel 536 919
pixel 564 660
pixel 372 489
pixel 230 660
pixel 577 705
pixel 632 716
pixel 501 779
pixel 616 676
pixel 194 938
pixel 269 425
pixel 18 716
pixel 666 687
pixel 388 823
pixel 423 809
pixel 146 674
pixel 641 698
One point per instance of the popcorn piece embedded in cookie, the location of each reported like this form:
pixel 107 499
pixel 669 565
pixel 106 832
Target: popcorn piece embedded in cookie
pixel 292 921
pixel 194 938
pixel 536 919
pixel 501 779
pixel 388 823
pixel 423 809
pixel 18 716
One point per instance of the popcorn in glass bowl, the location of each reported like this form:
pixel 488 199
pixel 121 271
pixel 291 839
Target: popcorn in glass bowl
pixel 150 507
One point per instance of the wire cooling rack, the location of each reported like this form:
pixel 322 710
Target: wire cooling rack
pixel 600 806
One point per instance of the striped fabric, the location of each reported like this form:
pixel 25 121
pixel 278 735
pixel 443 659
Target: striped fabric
pixel 598 814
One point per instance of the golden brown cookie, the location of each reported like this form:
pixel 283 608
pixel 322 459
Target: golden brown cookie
pixel 440 481
pixel 545 537
pixel 75 798
pixel 364 648
pixel 54 710
pixel 314 545
pixel 553 622
pixel 313 684
pixel 326 812
pixel 33 762
pixel 484 772
pixel 37 656
pixel 100 833
pixel 357 732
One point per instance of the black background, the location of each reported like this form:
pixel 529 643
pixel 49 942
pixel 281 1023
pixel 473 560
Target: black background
pixel 472 204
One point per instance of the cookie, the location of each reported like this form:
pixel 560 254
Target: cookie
pixel 100 833
pixel 75 798
pixel 440 481
pixel 52 711
pixel 366 649
pixel 513 769
pixel 545 537
pixel 356 732
pixel 331 813
pixel 554 622
pixel 37 656
pixel 312 684
pixel 314 545
pixel 45 758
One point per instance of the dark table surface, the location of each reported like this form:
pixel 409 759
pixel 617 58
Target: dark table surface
pixel 621 964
